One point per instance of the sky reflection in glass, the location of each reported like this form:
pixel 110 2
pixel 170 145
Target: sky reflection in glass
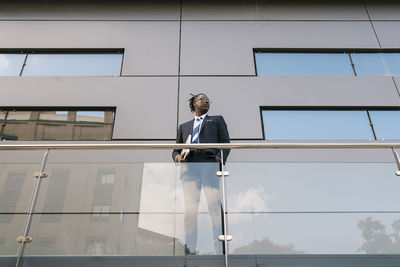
pixel 386 123
pixel 94 116
pixel 11 64
pixel 316 125
pixel 303 64
pixel 376 64
pixel 73 65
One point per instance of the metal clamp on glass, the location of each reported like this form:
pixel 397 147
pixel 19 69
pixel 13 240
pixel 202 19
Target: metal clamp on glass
pixel 40 175
pixel 222 173
pixel 222 238
pixel 24 239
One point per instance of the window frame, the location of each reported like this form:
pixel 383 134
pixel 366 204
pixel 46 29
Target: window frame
pixel 327 108
pixel 322 51
pixel 72 51
pixel 8 109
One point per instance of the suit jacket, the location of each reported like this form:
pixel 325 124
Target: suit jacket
pixel 213 130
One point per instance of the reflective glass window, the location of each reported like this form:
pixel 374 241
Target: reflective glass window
pixel 375 64
pixel 93 116
pixel 316 125
pixel 2 115
pixel 386 123
pixel 73 65
pixel 11 64
pixel 19 115
pixel 303 64
pixel 58 125
pixel 53 115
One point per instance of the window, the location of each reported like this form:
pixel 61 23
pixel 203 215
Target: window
pixel 303 64
pixel 327 64
pixel 371 64
pixel 101 211
pixel 107 178
pixel 57 125
pixel 73 65
pixel 70 63
pixel 96 246
pixel 11 64
pixel 10 193
pixel 103 194
pixel 386 124
pixel 55 196
pixel 331 124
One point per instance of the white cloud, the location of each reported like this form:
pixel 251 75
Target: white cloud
pixel 252 200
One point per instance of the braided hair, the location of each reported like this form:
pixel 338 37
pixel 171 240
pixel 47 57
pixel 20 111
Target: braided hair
pixel 191 101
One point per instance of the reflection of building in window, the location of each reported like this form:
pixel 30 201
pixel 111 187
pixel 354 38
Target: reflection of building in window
pixel 10 193
pixel 101 211
pixel 55 196
pixel 57 125
pixel 107 178
pixel 103 194
pixel 45 243
pixel 150 243
pixel 95 246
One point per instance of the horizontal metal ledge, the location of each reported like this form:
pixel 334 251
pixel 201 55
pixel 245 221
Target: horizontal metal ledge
pixel 142 146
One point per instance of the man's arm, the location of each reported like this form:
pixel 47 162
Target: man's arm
pixel 223 136
pixel 179 140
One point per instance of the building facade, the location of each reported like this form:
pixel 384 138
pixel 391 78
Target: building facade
pixel 262 63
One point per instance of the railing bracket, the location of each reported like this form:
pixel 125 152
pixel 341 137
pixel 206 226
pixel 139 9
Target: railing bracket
pixel 222 238
pixel 222 173
pixel 24 239
pixel 40 175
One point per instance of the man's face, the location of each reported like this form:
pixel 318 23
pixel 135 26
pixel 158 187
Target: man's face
pixel 201 104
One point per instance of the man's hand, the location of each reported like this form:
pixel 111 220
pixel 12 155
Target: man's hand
pixel 180 159
pixel 218 160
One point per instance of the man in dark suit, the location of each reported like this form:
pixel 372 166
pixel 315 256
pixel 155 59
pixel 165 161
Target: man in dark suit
pixel 200 170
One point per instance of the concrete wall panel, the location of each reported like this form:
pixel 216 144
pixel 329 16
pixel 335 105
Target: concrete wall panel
pixel 383 10
pixel 388 33
pixel 90 10
pixel 139 101
pixel 151 48
pixel 273 10
pixel 226 48
pixel 239 99
pixel 146 109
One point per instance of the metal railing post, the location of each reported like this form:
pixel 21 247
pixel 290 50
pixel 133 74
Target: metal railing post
pixel 397 160
pixel 25 238
pixel 224 237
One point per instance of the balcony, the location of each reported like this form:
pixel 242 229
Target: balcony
pixel 57 209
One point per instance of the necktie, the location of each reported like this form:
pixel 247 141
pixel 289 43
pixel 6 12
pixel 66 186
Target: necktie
pixel 196 131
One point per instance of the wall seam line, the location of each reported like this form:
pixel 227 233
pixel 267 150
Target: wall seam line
pixel 372 24
pixel 395 85
pixel 179 65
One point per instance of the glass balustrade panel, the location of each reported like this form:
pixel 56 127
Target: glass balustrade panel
pixel 314 233
pixel 17 182
pixel 10 229
pixel 184 198
pixel 313 187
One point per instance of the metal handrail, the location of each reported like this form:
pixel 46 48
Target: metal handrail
pixel 144 146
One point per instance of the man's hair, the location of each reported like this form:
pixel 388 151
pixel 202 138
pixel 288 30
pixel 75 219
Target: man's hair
pixel 191 101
